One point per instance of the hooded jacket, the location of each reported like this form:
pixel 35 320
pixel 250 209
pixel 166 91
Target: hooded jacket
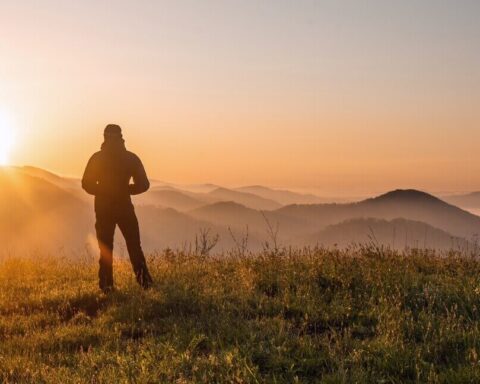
pixel 108 175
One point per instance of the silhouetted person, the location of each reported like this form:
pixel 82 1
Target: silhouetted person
pixel 108 177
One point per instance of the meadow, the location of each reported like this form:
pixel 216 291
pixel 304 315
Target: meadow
pixel 363 315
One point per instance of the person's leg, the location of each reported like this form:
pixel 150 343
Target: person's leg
pixel 128 224
pixel 105 227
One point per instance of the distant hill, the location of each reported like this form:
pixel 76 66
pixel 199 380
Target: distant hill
pixel 49 176
pixel 229 214
pixel 166 227
pixel 41 209
pixel 468 201
pixel 199 188
pixel 171 198
pixel 69 184
pixel 397 233
pixel 163 228
pixel 37 214
pixel 183 200
pixel 35 211
pixel 234 215
pixel 284 197
pixel 247 199
pixel 408 204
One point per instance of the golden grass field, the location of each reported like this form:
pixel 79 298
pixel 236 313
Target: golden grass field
pixel 360 316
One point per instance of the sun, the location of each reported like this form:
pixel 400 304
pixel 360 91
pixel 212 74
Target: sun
pixel 7 139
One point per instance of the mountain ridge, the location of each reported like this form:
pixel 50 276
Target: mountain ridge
pixel 171 218
pixel 409 204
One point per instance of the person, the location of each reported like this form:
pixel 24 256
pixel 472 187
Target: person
pixel 108 177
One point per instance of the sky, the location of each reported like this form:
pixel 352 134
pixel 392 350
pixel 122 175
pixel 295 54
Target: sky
pixel 337 97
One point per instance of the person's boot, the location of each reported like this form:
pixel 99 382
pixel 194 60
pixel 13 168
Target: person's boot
pixel 107 289
pixel 144 278
pixel 105 275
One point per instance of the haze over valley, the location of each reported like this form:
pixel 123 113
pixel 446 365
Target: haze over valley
pixel 41 210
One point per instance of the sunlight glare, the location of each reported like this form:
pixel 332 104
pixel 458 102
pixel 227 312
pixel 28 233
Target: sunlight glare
pixel 6 138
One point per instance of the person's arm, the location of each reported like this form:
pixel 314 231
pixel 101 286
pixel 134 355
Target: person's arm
pixel 90 177
pixel 140 179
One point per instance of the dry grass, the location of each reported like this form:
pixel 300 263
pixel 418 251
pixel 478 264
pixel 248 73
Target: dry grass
pixel 303 316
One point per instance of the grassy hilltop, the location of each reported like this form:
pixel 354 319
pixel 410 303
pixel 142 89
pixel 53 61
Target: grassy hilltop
pixel 303 316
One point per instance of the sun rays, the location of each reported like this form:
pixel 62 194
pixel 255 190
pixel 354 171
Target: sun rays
pixel 7 138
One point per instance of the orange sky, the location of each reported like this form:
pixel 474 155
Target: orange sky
pixel 342 99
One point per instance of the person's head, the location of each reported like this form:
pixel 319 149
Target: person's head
pixel 112 131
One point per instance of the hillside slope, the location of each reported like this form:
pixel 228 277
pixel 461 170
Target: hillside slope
pixel 249 200
pixel 284 197
pixel 469 200
pixel 38 208
pixel 36 212
pixel 397 234
pixel 298 317
pixel 407 204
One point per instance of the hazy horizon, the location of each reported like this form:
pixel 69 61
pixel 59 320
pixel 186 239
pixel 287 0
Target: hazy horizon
pixel 340 196
pixel 343 99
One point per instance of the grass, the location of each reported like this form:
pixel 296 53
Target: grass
pixel 313 316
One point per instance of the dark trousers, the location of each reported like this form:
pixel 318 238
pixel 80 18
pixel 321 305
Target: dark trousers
pixel 125 218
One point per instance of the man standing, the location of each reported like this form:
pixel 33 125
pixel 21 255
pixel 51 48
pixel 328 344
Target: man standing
pixel 107 177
